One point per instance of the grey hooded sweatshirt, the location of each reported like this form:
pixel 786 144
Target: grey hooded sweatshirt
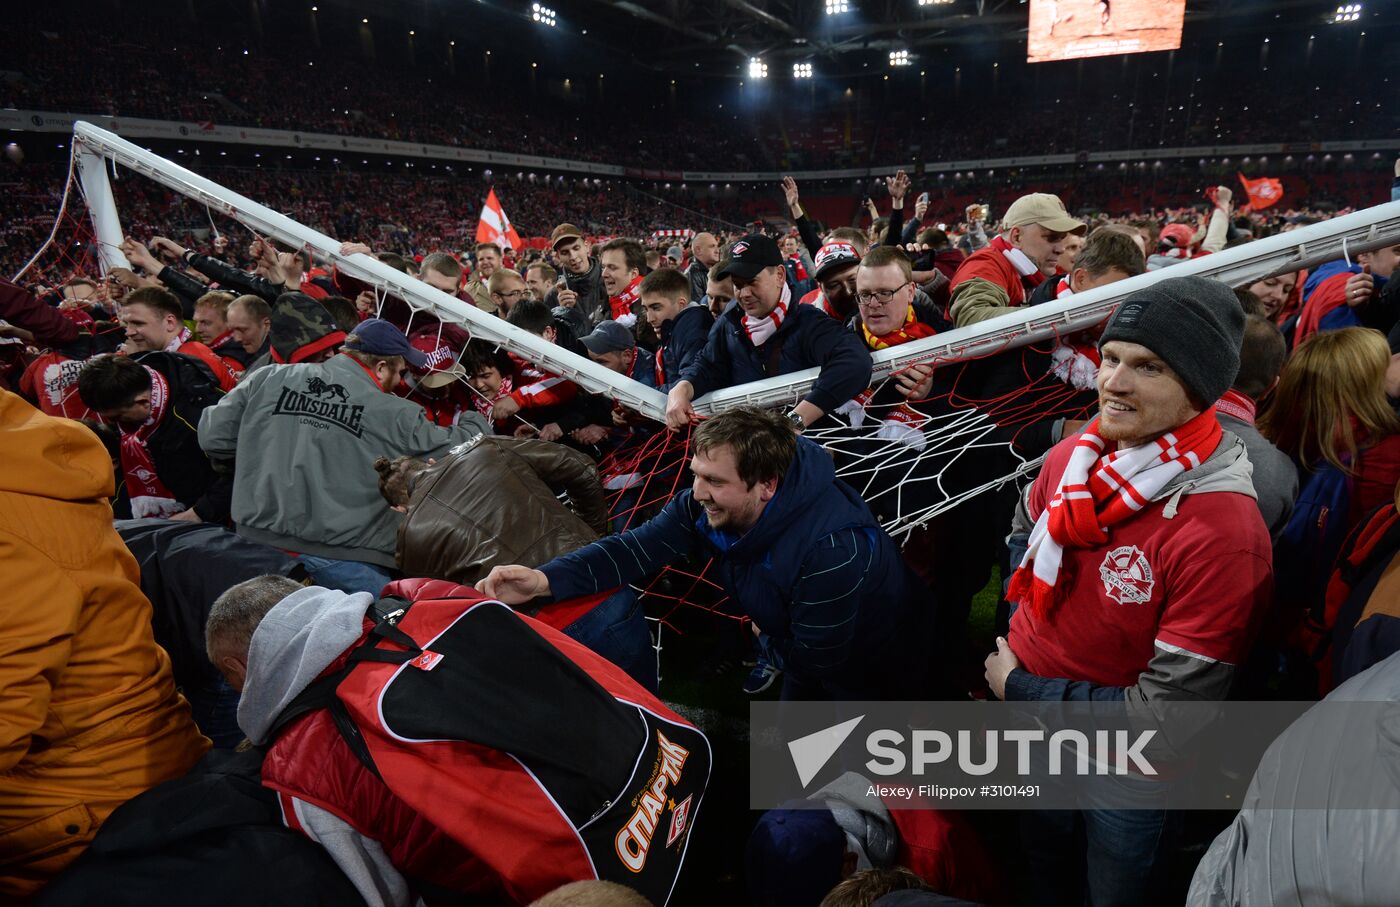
pixel 297 640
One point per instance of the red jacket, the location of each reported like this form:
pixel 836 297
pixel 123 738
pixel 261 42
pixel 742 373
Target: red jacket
pixel 223 372
pixel 992 266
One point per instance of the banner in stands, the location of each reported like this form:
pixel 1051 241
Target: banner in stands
pixel 1070 29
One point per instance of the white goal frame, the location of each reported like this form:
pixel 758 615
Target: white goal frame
pixel 1307 247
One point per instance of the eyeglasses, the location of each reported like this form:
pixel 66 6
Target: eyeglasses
pixel 512 294
pixel 884 297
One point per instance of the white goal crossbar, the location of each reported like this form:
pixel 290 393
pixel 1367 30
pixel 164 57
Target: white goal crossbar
pixel 1307 247
pixel 93 144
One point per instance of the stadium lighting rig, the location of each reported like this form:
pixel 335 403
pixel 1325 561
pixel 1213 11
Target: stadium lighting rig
pixel 837 7
pixel 1349 12
pixel 802 70
pixel 757 68
pixel 543 15
pixel 935 2
pixel 899 58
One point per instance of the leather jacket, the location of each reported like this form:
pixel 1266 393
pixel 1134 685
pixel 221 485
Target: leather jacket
pixel 495 501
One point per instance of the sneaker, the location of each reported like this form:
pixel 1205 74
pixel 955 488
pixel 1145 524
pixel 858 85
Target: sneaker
pixel 761 677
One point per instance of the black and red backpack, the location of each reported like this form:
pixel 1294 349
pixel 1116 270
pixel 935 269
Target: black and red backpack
pixel 545 761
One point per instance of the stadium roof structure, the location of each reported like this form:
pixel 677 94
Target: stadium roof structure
pixel 719 37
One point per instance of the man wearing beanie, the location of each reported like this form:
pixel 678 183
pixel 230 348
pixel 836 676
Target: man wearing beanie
pixel 1148 567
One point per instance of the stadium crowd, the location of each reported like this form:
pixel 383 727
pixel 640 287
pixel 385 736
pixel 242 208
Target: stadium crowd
pixel 337 516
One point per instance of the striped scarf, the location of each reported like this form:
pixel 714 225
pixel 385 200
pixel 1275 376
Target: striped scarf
pixel 1103 485
pixel 760 329
pixel 484 406
pixel 148 495
pixel 622 304
pixel 911 329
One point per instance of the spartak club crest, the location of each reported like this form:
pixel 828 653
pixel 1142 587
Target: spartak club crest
pixel 1127 576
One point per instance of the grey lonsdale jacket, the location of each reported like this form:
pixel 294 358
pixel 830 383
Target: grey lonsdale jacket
pixel 303 439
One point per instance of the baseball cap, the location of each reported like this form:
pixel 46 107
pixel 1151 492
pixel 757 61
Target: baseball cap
pixel 674 253
pixel 442 346
pixel 1044 209
pixel 562 233
pixel 608 337
pixel 380 338
pixel 751 254
pixel 834 255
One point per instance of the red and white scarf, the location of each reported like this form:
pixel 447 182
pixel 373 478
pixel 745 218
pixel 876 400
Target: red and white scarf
pixel 1029 270
pixel 760 329
pixel 1075 359
pixel 179 340
pixel 1103 485
pixel 622 303
pixel 148 494
pixel 484 406
pixel 1237 405
pixel 904 423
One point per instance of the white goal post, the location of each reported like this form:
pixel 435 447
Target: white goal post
pixel 1306 247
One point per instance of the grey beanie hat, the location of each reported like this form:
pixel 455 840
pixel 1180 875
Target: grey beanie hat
pixel 1195 325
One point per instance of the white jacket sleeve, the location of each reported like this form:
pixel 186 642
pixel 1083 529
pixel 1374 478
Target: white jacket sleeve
pixel 362 859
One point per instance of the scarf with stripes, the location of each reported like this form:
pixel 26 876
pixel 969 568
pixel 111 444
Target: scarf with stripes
pixel 1103 485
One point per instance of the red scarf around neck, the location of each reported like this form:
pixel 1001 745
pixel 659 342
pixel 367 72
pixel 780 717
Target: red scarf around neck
pixel 911 329
pixel 179 340
pixel 1237 405
pixel 484 406
pixel 148 494
pixel 1103 485
pixel 621 304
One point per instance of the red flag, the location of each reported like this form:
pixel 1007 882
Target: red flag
pixel 1262 192
pixel 495 227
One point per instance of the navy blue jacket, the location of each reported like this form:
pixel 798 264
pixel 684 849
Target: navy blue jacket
pixel 682 339
pixel 808 338
pixel 816 573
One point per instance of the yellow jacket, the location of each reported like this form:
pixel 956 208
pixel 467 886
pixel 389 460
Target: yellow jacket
pixel 89 714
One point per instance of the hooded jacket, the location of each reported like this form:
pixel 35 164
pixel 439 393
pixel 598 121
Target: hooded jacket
pixel 494 501
pixel 816 573
pixel 90 715
pixel 292 428
pixel 807 338
pixel 1198 557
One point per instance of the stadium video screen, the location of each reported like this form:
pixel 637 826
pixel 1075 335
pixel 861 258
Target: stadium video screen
pixel 1071 29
